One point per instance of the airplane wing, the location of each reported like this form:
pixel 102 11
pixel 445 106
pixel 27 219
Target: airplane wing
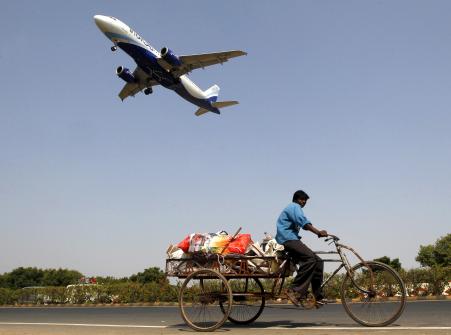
pixel 192 62
pixel 143 81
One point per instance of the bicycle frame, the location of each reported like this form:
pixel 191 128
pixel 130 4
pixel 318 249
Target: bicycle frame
pixel 285 267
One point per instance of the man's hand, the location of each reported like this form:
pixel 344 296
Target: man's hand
pixel 319 233
pixel 322 233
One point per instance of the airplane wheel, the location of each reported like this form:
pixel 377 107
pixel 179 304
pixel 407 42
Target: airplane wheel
pixel 113 48
pixel 148 91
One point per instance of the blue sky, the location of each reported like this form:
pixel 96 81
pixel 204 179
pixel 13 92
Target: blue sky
pixel 347 100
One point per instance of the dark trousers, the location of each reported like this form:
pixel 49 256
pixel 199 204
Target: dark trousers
pixel 310 268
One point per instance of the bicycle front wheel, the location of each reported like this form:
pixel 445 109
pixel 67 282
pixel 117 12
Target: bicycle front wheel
pixel 374 295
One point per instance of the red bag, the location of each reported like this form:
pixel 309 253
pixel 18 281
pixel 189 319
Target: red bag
pixel 184 245
pixel 239 245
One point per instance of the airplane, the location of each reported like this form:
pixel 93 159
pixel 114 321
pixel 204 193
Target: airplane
pixel 163 68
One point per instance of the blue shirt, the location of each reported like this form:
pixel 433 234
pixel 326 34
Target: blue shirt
pixel 290 221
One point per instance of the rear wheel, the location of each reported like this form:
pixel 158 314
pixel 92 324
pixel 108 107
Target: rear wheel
pixel 205 300
pixel 374 295
pixel 248 300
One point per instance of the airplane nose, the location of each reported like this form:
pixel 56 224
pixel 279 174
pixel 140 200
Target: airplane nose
pixel 102 22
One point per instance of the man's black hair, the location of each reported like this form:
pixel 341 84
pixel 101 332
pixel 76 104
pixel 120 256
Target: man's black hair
pixel 300 195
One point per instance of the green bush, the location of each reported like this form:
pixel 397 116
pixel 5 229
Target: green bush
pixel 332 289
pixel 435 278
pixel 40 295
pixel 7 296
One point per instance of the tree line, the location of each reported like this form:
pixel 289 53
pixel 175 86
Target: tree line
pixel 30 285
pixel 33 277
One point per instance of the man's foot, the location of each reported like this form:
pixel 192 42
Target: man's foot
pixel 320 303
pixel 293 297
pixel 308 301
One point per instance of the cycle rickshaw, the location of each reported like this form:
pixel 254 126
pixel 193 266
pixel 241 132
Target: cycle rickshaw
pixel 217 288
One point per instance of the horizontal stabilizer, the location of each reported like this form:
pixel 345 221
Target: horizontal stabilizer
pixel 201 111
pixel 218 105
pixel 222 104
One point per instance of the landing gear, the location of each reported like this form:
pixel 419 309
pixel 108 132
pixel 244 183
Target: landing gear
pixel 148 90
pixel 114 48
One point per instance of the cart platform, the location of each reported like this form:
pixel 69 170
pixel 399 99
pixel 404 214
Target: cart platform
pixel 231 265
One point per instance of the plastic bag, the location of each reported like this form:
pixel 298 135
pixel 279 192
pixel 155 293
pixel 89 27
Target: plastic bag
pixel 198 242
pixel 216 243
pixel 184 245
pixel 207 243
pixel 239 245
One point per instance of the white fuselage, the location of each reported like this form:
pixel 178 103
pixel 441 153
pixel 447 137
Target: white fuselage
pixel 146 56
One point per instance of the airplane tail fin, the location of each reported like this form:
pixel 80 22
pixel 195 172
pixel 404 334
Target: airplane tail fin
pixel 218 105
pixel 212 93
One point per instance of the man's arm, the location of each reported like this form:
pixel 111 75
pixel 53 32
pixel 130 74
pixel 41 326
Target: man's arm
pixel 319 233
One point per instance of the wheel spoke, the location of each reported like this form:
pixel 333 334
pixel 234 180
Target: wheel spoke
pixel 248 300
pixel 380 306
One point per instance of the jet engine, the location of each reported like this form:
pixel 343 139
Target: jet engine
pixel 170 57
pixel 125 74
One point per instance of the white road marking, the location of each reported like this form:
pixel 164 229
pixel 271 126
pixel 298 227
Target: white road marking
pixel 76 325
pixel 357 328
pixel 263 328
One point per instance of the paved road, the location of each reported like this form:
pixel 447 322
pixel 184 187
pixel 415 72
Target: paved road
pixel 428 317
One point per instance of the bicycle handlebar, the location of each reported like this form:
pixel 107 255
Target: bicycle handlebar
pixel 331 237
